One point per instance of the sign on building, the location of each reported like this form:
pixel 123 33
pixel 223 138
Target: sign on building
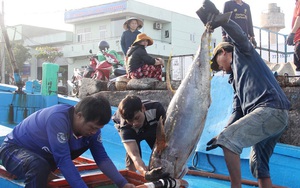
pixel 180 66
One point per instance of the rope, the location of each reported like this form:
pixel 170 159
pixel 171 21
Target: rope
pixel 168 79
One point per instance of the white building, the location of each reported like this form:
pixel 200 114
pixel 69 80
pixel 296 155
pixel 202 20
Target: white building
pixel 173 33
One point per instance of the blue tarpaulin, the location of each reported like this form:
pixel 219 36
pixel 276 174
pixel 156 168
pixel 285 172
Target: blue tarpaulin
pixel 218 114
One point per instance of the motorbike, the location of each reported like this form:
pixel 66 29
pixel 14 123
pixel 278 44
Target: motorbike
pixel 101 70
pixel 76 81
pixel 96 70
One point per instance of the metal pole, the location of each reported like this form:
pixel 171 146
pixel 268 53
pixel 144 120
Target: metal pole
pixel 17 77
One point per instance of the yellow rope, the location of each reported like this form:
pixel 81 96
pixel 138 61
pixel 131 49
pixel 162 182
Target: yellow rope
pixel 210 47
pixel 168 79
pixel 210 51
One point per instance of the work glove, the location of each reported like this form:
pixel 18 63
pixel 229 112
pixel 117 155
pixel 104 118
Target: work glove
pixel 290 39
pixel 211 17
pixel 156 174
pixel 211 144
pixel 252 40
pixel 207 12
pixel 210 7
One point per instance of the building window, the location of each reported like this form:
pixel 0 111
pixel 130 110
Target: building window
pixel 167 34
pixel 117 27
pixel 102 32
pixel 84 34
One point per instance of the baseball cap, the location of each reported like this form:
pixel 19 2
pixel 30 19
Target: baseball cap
pixel 214 66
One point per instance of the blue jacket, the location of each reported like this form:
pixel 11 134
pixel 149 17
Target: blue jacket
pixel 127 39
pixel 48 133
pixel 253 82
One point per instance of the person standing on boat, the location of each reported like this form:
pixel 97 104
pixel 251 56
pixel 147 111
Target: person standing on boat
pixel 136 120
pixel 52 137
pixel 294 36
pixel 260 107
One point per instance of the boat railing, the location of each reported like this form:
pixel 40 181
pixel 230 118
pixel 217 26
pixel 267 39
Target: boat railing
pixel 271 45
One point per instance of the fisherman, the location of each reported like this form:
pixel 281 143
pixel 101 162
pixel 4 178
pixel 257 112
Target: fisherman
pixel 52 137
pixel 260 107
pixel 136 120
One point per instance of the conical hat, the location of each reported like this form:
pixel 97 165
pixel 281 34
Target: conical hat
pixel 140 23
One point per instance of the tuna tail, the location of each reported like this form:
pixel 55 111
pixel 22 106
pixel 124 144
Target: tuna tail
pixel 160 142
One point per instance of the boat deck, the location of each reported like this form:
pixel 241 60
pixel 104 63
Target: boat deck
pixel 116 151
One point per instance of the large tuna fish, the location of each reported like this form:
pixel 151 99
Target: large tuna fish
pixel 185 118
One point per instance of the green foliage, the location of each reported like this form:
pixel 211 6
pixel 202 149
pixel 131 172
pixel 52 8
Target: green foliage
pixel 48 54
pixel 21 55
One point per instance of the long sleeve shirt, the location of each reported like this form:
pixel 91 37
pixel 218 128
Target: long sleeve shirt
pixel 241 14
pixel 48 133
pixel 137 57
pixel 253 82
pixel 127 38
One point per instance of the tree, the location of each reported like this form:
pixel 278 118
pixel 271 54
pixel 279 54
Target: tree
pixel 48 54
pixel 21 55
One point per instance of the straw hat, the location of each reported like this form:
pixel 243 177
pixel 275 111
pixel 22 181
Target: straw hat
pixel 143 36
pixel 140 23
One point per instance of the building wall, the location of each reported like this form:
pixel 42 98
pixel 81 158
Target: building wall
pixel 184 33
pixel 183 39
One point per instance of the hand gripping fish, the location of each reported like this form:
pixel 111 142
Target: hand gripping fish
pixel 177 138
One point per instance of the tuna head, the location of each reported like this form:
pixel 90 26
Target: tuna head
pixel 162 155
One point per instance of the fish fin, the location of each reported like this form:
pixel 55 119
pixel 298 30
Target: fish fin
pixel 160 136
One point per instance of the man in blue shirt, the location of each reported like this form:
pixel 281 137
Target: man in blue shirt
pixel 52 137
pixel 260 107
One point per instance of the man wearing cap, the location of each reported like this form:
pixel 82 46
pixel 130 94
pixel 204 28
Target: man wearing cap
pixel 140 63
pixel 131 27
pixel 260 107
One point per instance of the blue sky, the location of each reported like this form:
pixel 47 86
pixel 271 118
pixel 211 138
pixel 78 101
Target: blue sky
pixel 50 13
